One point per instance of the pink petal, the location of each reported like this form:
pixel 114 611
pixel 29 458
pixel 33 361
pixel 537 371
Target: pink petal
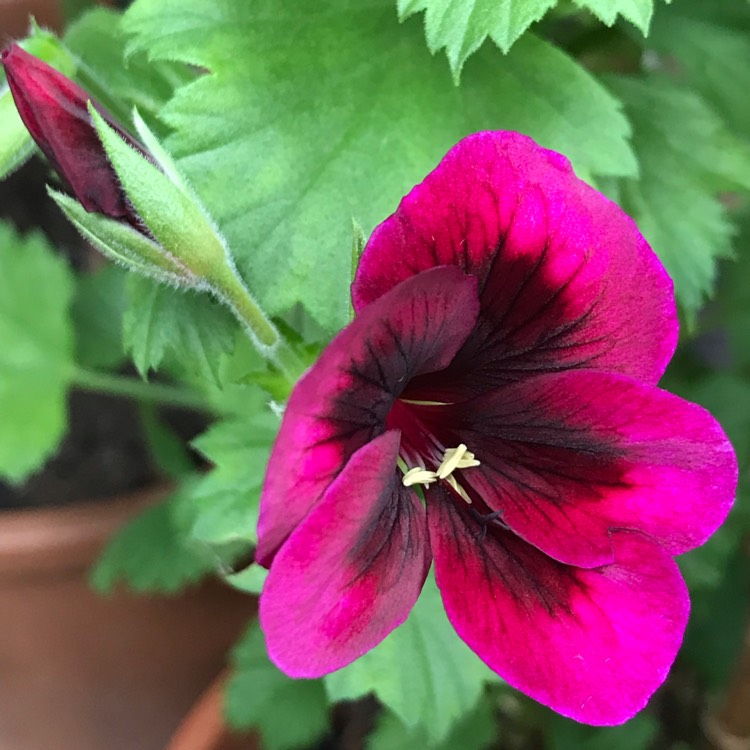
pixel 591 644
pixel 565 278
pixel 351 571
pixel 569 458
pixel 343 400
pixel 54 110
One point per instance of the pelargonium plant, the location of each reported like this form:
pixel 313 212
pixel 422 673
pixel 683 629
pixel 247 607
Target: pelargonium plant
pixel 490 414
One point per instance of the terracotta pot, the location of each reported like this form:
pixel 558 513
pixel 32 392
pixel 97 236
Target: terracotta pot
pixel 204 727
pixel 82 672
pixel 14 16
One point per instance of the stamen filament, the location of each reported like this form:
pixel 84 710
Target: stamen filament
pixel 458 488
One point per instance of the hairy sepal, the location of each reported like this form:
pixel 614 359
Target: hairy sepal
pixel 126 246
pixel 167 206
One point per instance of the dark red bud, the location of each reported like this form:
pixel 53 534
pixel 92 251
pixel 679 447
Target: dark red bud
pixel 54 111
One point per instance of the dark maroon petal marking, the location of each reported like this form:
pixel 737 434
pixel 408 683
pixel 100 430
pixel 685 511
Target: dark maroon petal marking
pixel 566 280
pixel 54 110
pixel 591 644
pixel 351 571
pixel 569 458
pixel 344 399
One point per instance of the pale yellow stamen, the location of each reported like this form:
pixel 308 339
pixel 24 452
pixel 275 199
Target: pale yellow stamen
pixel 465 458
pixel 456 486
pixel 418 475
pixel 424 403
pixel 456 458
pixel 453 459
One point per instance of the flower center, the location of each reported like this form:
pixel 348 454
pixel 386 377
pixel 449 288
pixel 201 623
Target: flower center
pixel 453 459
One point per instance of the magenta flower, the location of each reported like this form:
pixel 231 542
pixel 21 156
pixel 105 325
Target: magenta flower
pixel 54 110
pixel 511 327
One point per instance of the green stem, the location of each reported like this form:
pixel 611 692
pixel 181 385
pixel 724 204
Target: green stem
pixel 264 334
pixel 139 390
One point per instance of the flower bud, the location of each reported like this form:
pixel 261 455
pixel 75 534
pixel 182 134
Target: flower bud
pixel 132 202
pixel 54 110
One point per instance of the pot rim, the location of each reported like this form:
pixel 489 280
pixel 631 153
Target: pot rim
pixel 204 726
pixel 66 539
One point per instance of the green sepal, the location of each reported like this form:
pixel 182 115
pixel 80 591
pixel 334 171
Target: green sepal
pixel 171 212
pixel 178 220
pixel 163 157
pixel 16 145
pixel 42 43
pixel 123 244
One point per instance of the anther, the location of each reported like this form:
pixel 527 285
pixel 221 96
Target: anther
pixel 451 459
pixel 456 458
pixel 418 475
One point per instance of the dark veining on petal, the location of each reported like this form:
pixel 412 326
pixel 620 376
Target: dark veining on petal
pixel 499 553
pixel 387 540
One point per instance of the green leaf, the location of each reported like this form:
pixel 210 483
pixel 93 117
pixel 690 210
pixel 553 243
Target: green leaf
pixel 288 713
pixel 166 447
pixel 36 356
pixel 154 552
pixel 190 328
pixel 422 671
pixel 730 13
pixel 283 156
pixel 713 56
pixel 227 498
pixel 637 734
pixel 687 156
pixel 98 42
pixel 704 568
pixel 461 26
pixel 717 624
pixel 472 731
pixel 638 12
pixel 97 312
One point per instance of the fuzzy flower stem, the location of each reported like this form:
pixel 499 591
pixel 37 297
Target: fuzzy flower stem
pixel 263 333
